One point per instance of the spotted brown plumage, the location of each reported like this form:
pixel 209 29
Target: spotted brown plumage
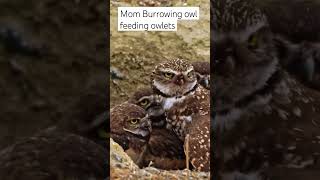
pixel 182 113
pixel 191 117
pixel 174 64
pixel 186 104
pixel 199 143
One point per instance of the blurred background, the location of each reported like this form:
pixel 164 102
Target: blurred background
pixel 52 55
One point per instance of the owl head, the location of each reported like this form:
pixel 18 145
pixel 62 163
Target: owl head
pixel 174 78
pixel 243 51
pixel 151 103
pixel 130 120
pixel 202 69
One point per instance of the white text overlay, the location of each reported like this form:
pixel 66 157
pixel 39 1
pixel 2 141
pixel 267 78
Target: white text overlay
pixel 154 18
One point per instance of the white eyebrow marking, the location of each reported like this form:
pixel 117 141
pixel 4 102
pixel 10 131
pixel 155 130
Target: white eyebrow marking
pixel 145 97
pixel 169 70
pixel 187 71
pixel 176 72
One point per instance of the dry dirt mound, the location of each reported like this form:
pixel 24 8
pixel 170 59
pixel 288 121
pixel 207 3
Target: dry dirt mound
pixel 122 167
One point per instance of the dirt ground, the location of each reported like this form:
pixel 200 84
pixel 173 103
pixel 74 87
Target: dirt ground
pixel 124 168
pixel 66 60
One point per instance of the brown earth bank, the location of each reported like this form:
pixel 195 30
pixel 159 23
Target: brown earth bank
pixel 122 167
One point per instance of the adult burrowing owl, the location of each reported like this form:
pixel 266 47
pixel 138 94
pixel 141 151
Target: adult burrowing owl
pixel 186 105
pixel 54 156
pixel 131 128
pixel 263 116
pixel 245 60
pixel 175 78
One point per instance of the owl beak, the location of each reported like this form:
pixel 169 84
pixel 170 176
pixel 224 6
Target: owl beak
pixel 146 124
pixel 179 80
pixel 158 100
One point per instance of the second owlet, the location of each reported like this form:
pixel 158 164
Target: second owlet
pixel 152 104
pixel 131 128
pixel 165 146
pixel 187 106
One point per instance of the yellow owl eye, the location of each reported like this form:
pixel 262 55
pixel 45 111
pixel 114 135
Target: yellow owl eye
pixel 102 133
pixel 134 121
pixel 168 75
pixel 253 41
pixel 144 102
pixel 190 74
